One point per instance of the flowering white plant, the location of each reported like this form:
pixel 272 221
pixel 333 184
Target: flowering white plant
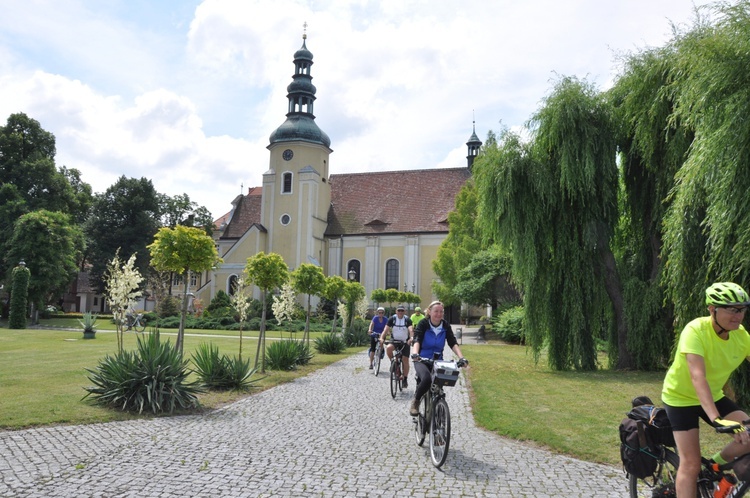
pixel 343 313
pixel 284 304
pixel 122 289
pixel 360 308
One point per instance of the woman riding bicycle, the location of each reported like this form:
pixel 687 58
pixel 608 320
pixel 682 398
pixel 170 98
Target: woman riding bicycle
pixel 377 325
pixel 430 337
pixel 707 354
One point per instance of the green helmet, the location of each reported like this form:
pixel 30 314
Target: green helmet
pixel 726 294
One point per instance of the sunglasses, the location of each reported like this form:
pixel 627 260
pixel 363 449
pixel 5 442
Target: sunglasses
pixel 735 310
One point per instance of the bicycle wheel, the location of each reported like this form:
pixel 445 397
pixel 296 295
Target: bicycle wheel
pixel 140 325
pixel 394 379
pixel 376 359
pixel 440 433
pixel 420 429
pixel 663 482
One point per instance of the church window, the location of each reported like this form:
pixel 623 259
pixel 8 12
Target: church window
pixel 286 187
pixel 285 219
pixel 231 285
pixel 391 274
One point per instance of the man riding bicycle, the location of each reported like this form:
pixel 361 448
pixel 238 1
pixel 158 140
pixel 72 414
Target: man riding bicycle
pixel 400 328
pixel 710 348
pixel 430 337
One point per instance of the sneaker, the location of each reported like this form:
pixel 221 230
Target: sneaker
pixel 414 408
pixel 370 367
pixel 404 384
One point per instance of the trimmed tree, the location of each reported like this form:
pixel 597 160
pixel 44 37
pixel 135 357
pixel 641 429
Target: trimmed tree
pixel 183 250
pixel 268 272
pixel 334 290
pixel 308 279
pixel 18 297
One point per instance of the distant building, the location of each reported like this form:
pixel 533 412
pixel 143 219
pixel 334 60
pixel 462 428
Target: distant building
pixel 379 228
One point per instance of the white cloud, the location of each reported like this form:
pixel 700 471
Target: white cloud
pixel 188 96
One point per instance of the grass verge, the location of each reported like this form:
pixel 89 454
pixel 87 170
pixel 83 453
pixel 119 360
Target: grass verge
pixel 42 374
pixel 573 413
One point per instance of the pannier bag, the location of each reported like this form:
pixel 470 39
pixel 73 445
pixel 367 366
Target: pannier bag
pixel 641 432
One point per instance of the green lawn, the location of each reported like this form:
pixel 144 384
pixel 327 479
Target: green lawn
pixel 42 372
pixel 42 375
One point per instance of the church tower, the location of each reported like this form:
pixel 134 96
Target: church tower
pixel 296 192
pixel 473 146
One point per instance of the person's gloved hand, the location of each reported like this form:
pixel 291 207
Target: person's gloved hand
pixel 415 357
pixel 728 426
pixel 463 362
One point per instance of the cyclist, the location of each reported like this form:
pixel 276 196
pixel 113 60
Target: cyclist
pixel 708 351
pixel 377 325
pixel 401 329
pixel 417 316
pixel 430 337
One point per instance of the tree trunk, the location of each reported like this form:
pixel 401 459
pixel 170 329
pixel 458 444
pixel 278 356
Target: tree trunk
pixel 614 291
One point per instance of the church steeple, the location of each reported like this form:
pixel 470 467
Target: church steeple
pixel 473 144
pixel 300 120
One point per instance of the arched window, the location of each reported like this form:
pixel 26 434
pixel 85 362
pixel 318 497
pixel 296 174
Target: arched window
pixel 232 284
pixel 287 186
pixel 391 274
pixel 352 272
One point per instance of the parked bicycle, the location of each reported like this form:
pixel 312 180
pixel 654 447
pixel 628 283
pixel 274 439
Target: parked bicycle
pixel 714 480
pixel 397 377
pixel 135 321
pixel 434 416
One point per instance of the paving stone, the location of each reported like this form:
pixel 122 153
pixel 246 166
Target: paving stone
pixel 334 433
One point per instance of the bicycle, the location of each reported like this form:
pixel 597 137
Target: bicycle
pixel 713 479
pixel 135 321
pixel 396 368
pixel 378 355
pixel 434 416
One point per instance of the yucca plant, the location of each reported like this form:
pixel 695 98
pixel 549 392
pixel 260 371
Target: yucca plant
pixel 153 378
pixel 330 343
pixel 283 355
pixel 221 372
pixel 88 322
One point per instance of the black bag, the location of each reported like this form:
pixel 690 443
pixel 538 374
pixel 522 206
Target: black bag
pixel 641 432
pixel 657 423
pixel 638 454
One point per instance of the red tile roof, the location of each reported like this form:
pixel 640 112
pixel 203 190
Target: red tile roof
pixel 415 201
pixel 245 214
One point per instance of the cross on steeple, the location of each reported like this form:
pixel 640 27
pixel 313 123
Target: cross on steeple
pixel 304 30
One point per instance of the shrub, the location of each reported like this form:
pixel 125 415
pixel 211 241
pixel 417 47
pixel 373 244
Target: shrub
pixel 356 335
pixel 154 378
pixel 221 372
pixel 287 354
pixel 168 306
pixel 220 301
pixel 509 325
pixel 282 355
pixel 330 343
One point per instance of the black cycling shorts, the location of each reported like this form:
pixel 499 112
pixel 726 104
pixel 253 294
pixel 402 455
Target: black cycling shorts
pixel 685 418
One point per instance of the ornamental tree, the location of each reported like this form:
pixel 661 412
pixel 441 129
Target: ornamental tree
pixel 308 279
pixel 183 250
pixel 268 272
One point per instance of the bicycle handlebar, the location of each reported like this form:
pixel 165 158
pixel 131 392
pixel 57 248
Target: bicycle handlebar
pixel 735 428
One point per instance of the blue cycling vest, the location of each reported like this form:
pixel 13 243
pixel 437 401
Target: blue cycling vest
pixel 433 342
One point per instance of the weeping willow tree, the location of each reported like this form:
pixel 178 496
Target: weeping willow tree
pixel 553 202
pixel 462 242
pixel 653 145
pixel 705 231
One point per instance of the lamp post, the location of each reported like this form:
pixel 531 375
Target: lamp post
pixel 352 274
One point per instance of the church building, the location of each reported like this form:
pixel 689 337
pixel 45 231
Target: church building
pixel 382 229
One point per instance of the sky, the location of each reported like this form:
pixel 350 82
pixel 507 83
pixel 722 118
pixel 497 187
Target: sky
pixel 187 92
